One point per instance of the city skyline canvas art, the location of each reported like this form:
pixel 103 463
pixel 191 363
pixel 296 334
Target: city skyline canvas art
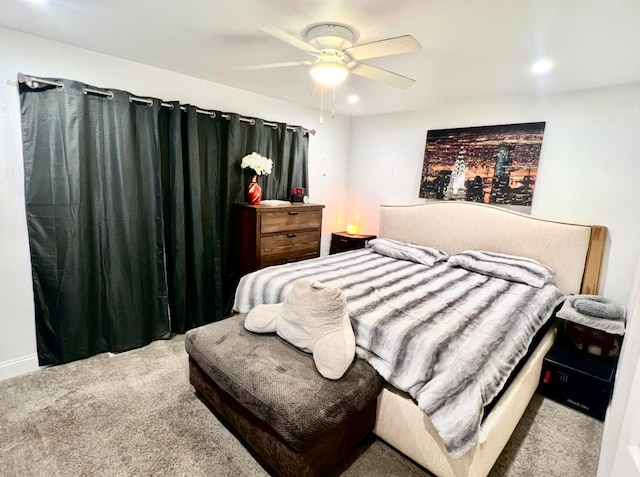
pixel 488 164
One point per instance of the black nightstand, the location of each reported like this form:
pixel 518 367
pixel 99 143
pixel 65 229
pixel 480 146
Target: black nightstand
pixel 582 382
pixel 343 242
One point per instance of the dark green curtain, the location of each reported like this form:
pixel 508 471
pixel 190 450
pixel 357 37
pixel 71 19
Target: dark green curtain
pixel 288 147
pixel 232 190
pixel 129 210
pixel 202 146
pixel 242 138
pixel 94 215
pixel 173 202
pixel 198 213
pixel 295 157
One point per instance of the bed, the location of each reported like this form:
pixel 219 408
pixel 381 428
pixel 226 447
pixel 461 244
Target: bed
pixel 574 252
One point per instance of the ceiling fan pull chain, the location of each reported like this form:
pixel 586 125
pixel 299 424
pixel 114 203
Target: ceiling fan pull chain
pixel 333 103
pixel 321 101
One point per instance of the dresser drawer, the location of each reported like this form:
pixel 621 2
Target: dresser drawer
pixel 291 244
pixel 282 259
pixel 290 220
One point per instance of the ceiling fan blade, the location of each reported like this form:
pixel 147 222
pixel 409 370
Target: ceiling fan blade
pixel 378 74
pixel 388 47
pixel 272 65
pixel 288 38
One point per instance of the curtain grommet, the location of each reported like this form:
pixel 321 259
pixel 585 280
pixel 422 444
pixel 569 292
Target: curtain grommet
pixel 147 101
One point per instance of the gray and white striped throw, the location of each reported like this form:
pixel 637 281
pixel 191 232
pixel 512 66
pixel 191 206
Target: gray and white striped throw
pixel 447 336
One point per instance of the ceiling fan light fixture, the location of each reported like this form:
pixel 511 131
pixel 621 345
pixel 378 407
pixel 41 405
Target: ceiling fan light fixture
pixel 329 73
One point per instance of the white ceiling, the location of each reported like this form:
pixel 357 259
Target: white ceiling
pixel 471 48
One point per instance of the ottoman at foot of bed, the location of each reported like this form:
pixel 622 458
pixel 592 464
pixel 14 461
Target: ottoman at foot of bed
pixel 294 420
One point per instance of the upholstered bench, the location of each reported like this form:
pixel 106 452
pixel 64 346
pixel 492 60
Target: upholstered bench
pixel 298 422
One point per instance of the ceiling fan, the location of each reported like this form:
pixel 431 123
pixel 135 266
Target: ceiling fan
pixel 336 57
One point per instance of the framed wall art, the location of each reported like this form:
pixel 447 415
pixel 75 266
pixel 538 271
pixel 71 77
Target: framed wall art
pixel 489 164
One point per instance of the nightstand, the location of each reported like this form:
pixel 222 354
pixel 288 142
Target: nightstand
pixel 343 242
pixel 582 382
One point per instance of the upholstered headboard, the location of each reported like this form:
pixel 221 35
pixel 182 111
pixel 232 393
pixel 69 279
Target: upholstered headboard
pixel 572 251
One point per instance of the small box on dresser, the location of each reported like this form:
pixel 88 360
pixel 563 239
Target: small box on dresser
pixel 272 235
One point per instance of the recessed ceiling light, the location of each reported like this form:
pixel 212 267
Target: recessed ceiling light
pixel 542 66
pixel 353 98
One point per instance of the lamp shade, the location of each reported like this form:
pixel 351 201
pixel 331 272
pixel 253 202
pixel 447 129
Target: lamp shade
pixel 329 72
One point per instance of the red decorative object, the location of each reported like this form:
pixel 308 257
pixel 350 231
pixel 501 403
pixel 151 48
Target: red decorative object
pixel 254 192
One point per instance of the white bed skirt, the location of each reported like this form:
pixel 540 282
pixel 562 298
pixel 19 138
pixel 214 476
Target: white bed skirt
pixel 401 423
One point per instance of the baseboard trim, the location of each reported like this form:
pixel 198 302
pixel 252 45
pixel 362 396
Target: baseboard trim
pixel 18 366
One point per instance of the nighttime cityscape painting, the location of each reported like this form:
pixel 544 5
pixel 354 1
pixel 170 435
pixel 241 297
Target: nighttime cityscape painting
pixel 488 164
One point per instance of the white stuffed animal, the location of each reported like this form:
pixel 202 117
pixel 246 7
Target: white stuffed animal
pixel 313 318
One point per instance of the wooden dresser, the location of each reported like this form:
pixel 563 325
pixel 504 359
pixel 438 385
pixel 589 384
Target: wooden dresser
pixel 272 235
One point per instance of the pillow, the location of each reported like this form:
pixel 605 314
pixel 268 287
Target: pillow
pixel 500 265
pixel 313 318
pixel 407 251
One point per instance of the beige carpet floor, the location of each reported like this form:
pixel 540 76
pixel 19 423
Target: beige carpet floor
pixel 135 414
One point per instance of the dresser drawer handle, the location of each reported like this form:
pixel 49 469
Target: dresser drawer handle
pixel 293 212
pixel 291 235
pixel 291 260
pixel 343 240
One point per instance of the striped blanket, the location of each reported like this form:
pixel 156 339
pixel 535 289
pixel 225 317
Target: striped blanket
pixel 447 336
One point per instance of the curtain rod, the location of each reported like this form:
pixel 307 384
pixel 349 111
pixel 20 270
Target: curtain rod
pixel 34 82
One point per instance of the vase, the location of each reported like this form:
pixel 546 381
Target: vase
pixel 254 191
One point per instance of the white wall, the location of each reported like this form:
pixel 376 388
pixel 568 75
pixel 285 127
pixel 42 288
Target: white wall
pixel 588 171
pixel 35 56
pixel 622 426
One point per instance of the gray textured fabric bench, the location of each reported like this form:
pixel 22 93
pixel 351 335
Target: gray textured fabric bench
pixel 296 421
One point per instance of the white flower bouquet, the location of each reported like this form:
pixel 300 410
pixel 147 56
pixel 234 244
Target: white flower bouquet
pixel 259 164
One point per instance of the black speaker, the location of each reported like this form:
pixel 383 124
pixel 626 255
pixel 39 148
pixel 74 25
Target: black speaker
pixel 576 380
